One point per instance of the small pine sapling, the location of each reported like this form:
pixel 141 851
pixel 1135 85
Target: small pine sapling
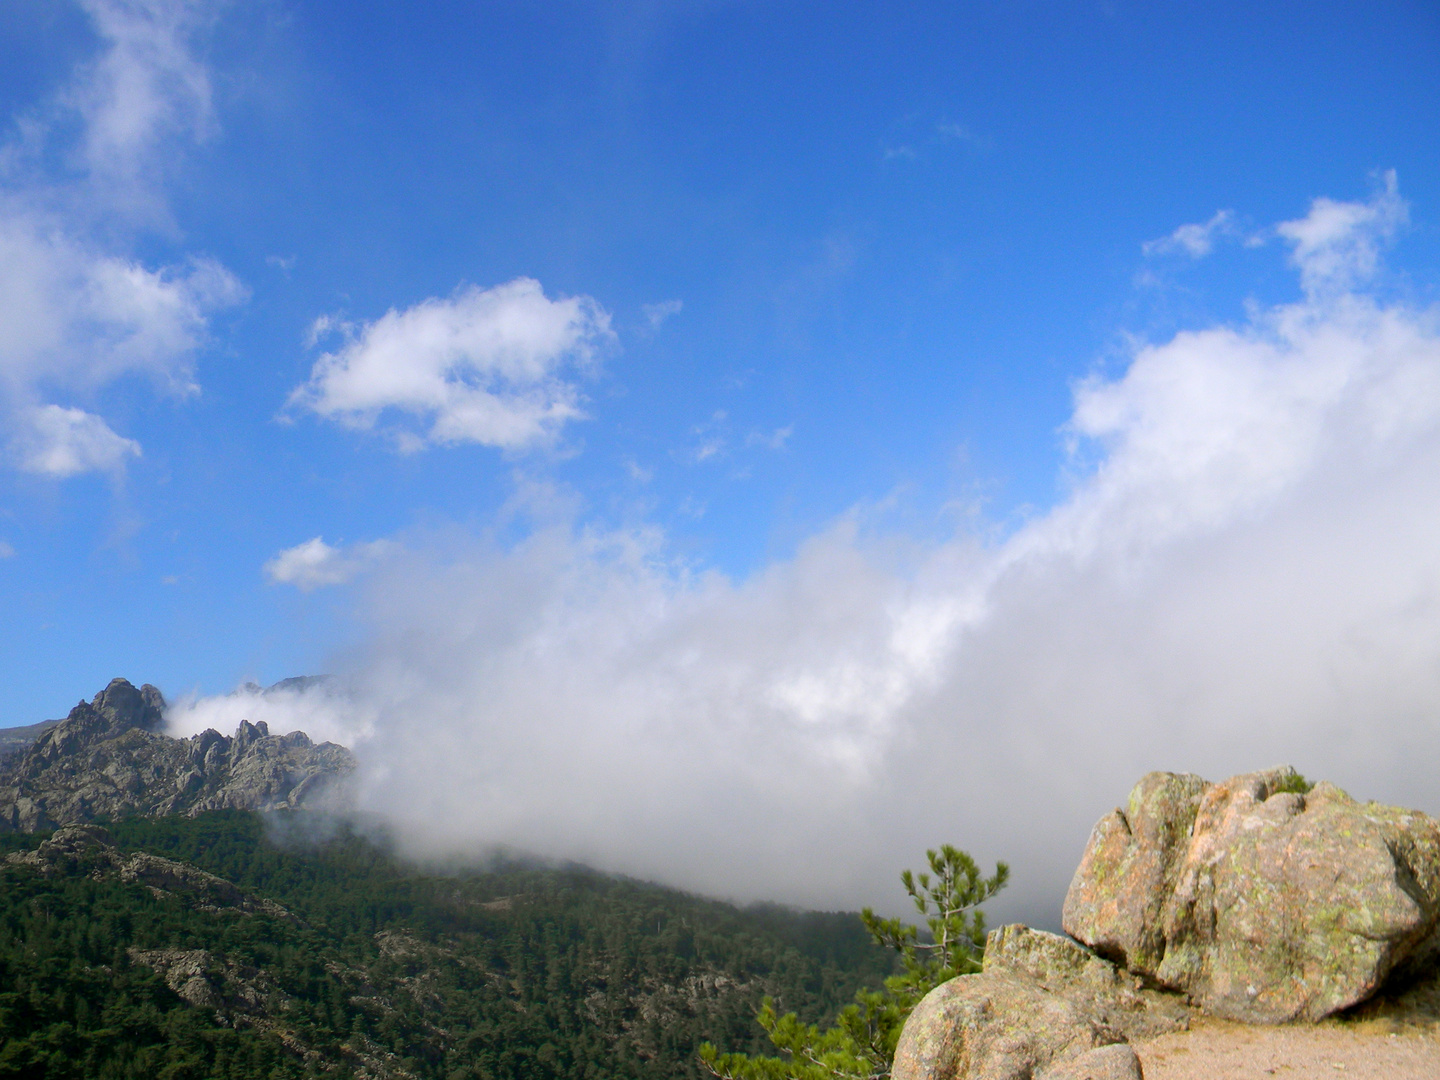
pixel 861 1043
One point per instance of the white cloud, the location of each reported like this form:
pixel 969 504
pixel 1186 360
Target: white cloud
pixel 7 551
pixel 321 708
pixel 1250 574
pixel 61 442
pixel 1337 244
pixel 147 86
pixel 655 314
pixel 315 564
pixel 1197 241
pixel 491 366
pixel 76 312
pixel 75 318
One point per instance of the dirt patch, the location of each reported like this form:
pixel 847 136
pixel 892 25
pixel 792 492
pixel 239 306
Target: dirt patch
pixel 1223 1050
pixel 1394 1038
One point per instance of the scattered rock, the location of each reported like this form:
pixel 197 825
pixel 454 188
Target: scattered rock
pixel 110 757
pixel 1262 901
pixel 1041 1002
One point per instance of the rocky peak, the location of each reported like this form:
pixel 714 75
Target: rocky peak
pixel 248 733
pixel 110 757
pixel 123 707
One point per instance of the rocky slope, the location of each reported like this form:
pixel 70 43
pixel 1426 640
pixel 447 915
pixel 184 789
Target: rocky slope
pixel 16 740
pixel 110 758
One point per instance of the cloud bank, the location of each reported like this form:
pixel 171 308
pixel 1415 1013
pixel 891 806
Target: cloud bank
pixel 319 706
pixel 489 366
pixel 1246 572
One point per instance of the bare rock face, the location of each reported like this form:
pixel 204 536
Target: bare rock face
pixel 1262 901
pixel 1042 1007
pixel 110 757
pixel 16 740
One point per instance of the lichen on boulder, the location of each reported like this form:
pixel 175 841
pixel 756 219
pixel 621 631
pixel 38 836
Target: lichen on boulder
pixel 1041 1002
pixel 1262 901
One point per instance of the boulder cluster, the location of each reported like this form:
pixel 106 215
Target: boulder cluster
pixel 111 757
pixel 1261 899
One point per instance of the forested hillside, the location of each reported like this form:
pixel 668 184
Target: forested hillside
pixel 122 956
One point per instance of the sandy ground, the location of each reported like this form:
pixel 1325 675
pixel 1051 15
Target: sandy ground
pixel 1391 1039
pixel 1217 1050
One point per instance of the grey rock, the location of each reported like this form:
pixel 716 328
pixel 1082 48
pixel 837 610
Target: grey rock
pixel 110 757
pixel 202 979
pixel 16 740
pixel 1262 902
pixel 1041 1002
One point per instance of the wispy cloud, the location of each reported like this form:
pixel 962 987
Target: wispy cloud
pixel 776 440
pixel 1197 241
pixel 711 438
pixel 315 564
pixel 931 137
pixel 1338 244
pixel 76 312
pixel 147 86
pixel 656 314
pixel 949 131
pixel 491 366
pixel 60 442
pixel 72 316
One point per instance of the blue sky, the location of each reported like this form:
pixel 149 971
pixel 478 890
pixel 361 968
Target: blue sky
pixel 699 285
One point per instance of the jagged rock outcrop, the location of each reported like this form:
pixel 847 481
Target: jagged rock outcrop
pixel 1261 900
pixel 110 757
pixel 210 982
pixel 90 849
pixel 1042 1007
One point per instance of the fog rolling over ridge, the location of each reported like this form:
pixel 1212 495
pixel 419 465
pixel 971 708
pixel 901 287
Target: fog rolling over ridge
pixel 1246 572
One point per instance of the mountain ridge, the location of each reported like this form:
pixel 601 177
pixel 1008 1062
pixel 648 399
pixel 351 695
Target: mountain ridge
pixel 110 757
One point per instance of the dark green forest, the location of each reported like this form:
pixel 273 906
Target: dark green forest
pixel 345 960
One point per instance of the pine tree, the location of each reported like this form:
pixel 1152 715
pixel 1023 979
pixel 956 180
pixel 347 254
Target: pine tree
pixel 861 1043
